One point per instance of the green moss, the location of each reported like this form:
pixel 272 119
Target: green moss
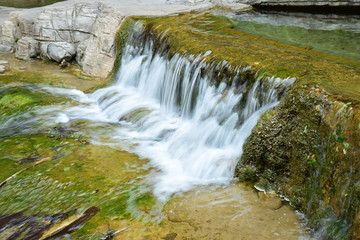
pixel 192 34
pixel 14 101
pixel 296 150
pixel 121 38
pixel 79 74
pixel 318 40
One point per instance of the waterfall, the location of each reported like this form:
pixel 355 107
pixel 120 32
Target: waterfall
pixel 175 113
pixel 191 129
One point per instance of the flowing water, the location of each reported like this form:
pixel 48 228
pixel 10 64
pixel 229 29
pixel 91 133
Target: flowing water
pixel 172 113
pixel 191 126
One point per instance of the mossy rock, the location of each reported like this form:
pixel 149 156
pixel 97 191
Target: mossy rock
pixel 296 148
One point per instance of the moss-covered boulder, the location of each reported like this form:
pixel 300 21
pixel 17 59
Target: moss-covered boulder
pixel 307 148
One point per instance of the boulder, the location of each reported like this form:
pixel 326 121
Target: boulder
pixel 98 54
pixel 7 33
pixel 85 30
pixel 5 48
pixel 71 24
pixel 57 51
pixel 27 48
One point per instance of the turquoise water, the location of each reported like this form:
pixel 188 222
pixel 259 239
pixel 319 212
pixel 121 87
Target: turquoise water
pixel 332 34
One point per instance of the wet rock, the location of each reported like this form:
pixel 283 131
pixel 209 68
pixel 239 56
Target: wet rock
pixel 57 51
pixel 27 48
pixel 63 64
pixel 356 228
pixel 4 65
pixel 247 173
pixel 299 148
pixel 270 200
pixel 170 236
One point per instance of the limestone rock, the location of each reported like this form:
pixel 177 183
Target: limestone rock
pixel 2 69
pixel 67 24
pixel 7 33
pixel 86 31
pixel 57 51
pixel 27 48
pixel 99 52
pixel 5 48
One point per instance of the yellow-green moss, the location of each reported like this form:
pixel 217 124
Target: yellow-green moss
pixel 196 33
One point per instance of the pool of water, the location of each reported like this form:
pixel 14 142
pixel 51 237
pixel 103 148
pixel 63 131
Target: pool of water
pixel 27 3
pixel 333 34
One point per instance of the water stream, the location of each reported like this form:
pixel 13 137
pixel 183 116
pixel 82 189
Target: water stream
pixel 171 111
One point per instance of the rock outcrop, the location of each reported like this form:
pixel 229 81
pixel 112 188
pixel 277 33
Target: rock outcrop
pixel 27 48
pixel 307 149
pixel 85 32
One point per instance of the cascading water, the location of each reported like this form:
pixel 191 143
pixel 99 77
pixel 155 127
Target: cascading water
pixel 173 114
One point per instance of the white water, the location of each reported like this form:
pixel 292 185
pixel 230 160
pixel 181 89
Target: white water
pixel 191 130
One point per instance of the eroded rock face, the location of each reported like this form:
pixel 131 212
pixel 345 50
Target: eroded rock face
pixel 27 48
pixel 85 32
pixel 97 54
pixel 307 149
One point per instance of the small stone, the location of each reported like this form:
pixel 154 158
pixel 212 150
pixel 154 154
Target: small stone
pixel 22 68
pixel 5 48
pixel 2 69
pixel 170 236
pixel 63 64
pixel 270 200
pixel 4 66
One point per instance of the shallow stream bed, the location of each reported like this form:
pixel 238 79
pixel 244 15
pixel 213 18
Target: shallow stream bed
pixel 72 178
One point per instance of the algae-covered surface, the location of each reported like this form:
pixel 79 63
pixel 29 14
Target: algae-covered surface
pixel 52 179
pixel 70 180
pixel 197 33
pixel 27 3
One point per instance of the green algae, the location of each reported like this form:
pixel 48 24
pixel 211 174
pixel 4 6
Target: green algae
pixel 121 37
pixel 27 4
pixel 78 175
pixel 14 101
pixel 39 72
pixel 339 42
pixel 196 33
pixel 295 149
